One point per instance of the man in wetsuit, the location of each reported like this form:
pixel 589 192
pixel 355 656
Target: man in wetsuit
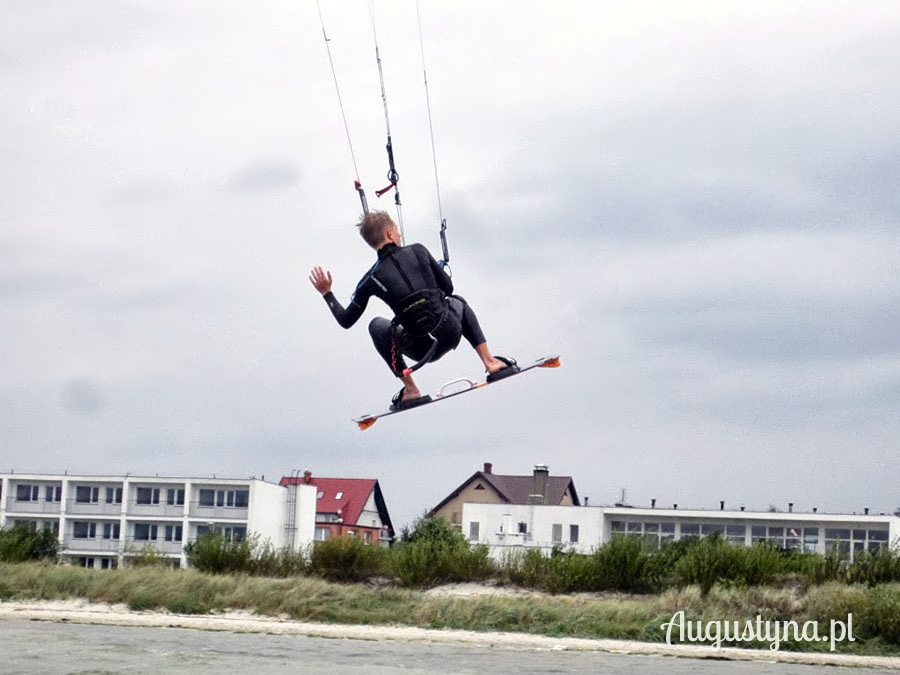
pixel 426 313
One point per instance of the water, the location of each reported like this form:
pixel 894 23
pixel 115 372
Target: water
pixel 36 647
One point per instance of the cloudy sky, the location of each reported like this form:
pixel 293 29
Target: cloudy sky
pixel 695 203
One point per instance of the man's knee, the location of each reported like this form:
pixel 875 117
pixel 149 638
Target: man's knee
pixel 379 328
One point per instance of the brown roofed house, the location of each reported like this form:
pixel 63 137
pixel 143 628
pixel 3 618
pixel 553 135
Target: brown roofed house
pixel 487 487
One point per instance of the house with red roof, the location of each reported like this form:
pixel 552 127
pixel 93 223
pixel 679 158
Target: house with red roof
pixel 487 487
pixel 348 507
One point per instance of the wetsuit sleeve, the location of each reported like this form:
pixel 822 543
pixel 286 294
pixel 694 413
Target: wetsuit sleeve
pixel 349 316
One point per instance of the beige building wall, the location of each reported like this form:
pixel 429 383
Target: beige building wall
pixel 452 510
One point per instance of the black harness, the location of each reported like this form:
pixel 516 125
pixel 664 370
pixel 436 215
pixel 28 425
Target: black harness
pixel 420 313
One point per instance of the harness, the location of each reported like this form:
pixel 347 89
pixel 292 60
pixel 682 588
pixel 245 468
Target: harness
pixel 420 313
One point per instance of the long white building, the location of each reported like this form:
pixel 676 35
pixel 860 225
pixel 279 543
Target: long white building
pixel 510 527
pixel 101 520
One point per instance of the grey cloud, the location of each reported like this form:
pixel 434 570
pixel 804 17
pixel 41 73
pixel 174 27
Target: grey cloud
pixel 265 175
pixel 82 396
pixel 768 328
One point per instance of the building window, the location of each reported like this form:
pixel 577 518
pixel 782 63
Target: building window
pixel 235 533
pixel 320 495
pixel 473 530
pixel 207 498
pixel 847 542
pixel 53 493
pixel 27 493
pixel 145 532
pixel 113 495
pixel 339 495
pixel 690 530
pixel 322 533
pixel 523 528
pixel 368 537
pixel 556 535
pixel 82 530
pixel 173 532
pixel 175 497
pixel 573 534
pixel 111 530
pixel 85 494
pixel 233 498
pixel 736 534
pixel 810 539
pixel 147 496
pixel 707 529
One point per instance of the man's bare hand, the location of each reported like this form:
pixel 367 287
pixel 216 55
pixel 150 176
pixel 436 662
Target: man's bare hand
pixel 320 279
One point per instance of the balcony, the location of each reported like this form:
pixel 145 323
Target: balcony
pixel 75 508
pixel 155 510
pixel 199 512
pixel 136 546
pixel 33 507
pixel 93 545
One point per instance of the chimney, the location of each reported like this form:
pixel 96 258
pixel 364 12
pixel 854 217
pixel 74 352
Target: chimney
pixel 586 501
pixel 742 508
pixel 653 503
pixel 675 507
pixel 488 467
pixel 722 505
pixel 790 507
pixel 815 508
pixel 307 476
pixel 539 485
pixel 867 510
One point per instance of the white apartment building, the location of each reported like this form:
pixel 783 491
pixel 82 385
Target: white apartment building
pixel 102 520
pixel 509 527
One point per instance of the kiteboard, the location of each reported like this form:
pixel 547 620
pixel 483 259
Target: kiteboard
pixel 455 388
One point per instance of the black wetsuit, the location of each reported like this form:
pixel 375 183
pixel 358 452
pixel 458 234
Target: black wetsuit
pixel 412 283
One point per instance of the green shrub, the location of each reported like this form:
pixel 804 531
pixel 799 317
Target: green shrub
pixel 623 564
pixel 435 552
pixel 874 567
pixel 526 568
pixel 21 543
pixel 272 562
pixel 347 559
pixel 217 555
pixel 148 557
pixel 835 600
pixel 883 618
pixel 760 563
pixel 709 561
pixel 813 568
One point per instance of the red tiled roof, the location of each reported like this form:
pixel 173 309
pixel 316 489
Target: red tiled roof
pixel 354 493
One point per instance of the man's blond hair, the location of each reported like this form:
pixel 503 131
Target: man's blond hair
pixel 373 226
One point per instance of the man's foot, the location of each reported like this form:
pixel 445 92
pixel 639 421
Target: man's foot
pixel 408 398
pixel 501 367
